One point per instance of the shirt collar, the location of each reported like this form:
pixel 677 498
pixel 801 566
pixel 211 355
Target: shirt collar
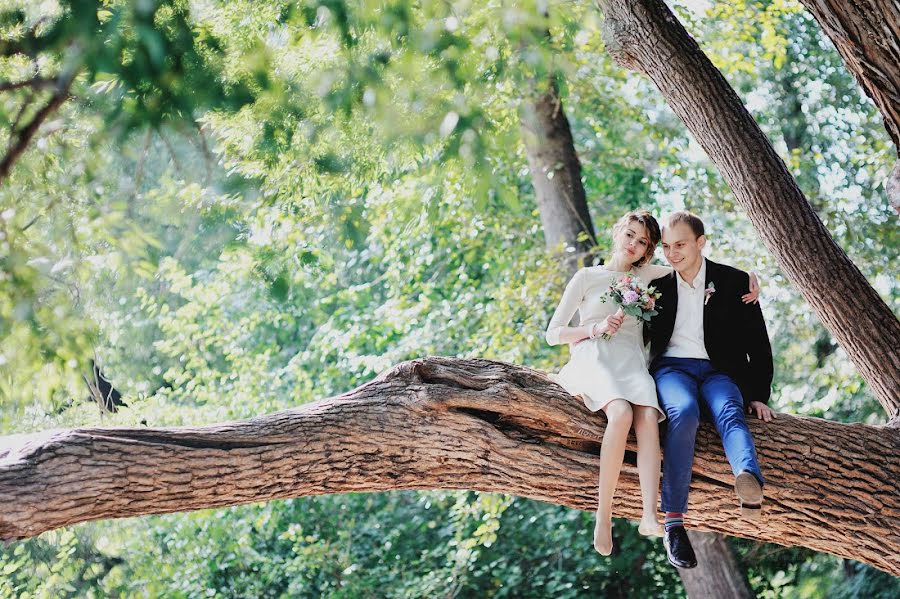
pixel 698 281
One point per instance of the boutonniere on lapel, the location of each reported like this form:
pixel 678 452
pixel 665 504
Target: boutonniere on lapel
pixel 707 293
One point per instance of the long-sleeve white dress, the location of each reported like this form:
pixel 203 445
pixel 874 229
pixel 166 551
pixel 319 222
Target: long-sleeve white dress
pixel 601 370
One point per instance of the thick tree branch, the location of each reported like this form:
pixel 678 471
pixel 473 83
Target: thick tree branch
pixel 445 423
pixel 645 36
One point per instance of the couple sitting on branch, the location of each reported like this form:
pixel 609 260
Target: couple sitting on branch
pixel 709 355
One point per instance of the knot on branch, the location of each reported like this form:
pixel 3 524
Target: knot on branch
pixel 619 36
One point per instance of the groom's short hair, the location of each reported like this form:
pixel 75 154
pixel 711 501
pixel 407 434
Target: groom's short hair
pixel 688 218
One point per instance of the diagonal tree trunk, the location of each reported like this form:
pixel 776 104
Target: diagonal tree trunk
pixel 866 34
pixel 446 423
pixel 556 173
pixel 844 301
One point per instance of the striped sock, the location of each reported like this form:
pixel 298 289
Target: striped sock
pixel 673 519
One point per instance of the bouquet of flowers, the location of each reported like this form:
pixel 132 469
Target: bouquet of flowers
pixel 633 298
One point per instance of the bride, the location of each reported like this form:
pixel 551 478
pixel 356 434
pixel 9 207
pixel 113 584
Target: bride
pixel 611 375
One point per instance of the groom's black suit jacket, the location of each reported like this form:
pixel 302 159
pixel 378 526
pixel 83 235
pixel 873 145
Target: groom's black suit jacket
pixel 734 332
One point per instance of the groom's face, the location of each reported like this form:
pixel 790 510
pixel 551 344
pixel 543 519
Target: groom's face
pixel 682 248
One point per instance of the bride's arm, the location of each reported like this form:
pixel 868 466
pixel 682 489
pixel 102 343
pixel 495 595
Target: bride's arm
pixel 558 331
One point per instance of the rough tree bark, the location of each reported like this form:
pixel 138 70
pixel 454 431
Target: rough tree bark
pixel 847 305
pixel 866 34
pixel 446 423
pixel 556 173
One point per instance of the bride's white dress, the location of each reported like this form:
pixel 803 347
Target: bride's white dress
pixel 601 370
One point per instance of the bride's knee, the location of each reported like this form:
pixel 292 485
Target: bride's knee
pixel 645 416
pixel 619 412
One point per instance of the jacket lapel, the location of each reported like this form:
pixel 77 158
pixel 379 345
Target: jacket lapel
pixel 711 271
pixel 673 281
pixel 670 292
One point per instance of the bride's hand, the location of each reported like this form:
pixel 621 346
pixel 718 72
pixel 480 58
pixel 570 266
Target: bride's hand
pixel 608 325
pixel 612 322
pixel 753 296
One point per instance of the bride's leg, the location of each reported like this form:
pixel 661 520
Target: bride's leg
pixel 646 429
pixel 612 452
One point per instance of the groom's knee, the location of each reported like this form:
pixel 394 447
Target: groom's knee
pixel 730 416
pixel 727 407
pixel 684 417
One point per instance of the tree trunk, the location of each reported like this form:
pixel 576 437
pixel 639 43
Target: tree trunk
pixel 446 423
pixel 556 174
pixel 793 122
pixel 866 34
pixel 844 301
pixel 718 573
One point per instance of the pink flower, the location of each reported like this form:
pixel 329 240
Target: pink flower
pixel 707 293
pixel 629 293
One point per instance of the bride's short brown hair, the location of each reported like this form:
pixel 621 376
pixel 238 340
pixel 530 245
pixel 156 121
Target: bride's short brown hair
pixel 645 218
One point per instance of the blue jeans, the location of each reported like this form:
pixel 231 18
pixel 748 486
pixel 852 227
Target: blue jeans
pixel 684 386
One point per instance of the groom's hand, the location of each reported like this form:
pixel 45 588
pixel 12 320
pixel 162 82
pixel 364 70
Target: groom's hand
pixel 762 411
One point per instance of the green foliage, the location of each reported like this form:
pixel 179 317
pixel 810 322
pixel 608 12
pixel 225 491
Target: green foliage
pixel 400 544
pixel 150 61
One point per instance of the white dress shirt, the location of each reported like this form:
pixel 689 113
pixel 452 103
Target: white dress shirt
pixel 687 336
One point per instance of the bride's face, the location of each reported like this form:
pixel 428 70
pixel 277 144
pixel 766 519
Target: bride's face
pixel 631 242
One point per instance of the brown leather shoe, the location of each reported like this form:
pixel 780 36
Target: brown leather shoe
pixel 750 494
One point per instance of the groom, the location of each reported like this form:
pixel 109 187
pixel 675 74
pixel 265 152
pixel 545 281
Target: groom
pixel 710 355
